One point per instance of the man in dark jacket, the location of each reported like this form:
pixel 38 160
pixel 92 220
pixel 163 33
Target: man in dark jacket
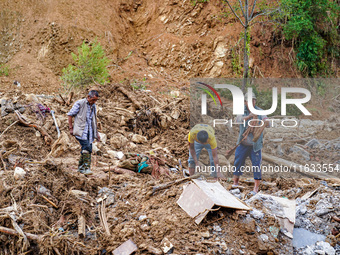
pixel 85 128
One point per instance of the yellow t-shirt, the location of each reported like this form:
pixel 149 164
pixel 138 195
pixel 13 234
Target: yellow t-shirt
pixel 199 127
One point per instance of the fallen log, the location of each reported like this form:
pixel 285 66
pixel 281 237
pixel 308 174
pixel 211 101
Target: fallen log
pixel 130 96
pixel 15 233
pixel 58 100
pixel 172 183
pixel 21 119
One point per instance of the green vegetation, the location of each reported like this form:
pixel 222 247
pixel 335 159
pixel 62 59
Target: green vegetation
pixel 139 85
pixel 4 70
pixel 236 62
pixel 249 13
pixel 312 26
pixel 90 67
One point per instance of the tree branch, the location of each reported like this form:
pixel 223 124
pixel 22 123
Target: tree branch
pixel 252 11
pixel 231 8
pixel 242 8
pixel 263 13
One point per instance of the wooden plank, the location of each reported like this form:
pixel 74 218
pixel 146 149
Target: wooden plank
pixel 126 248
pixel 220 196
pixel 200 197
pixel 195 202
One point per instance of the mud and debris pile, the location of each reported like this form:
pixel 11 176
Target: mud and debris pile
pixel 46 206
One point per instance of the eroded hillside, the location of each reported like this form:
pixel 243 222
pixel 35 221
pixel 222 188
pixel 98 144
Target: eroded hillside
pixel 165 41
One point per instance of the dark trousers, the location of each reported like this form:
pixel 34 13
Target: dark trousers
pixel 85 145
pixel 241 153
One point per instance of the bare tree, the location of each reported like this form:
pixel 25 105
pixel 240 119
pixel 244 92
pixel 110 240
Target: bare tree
pixel 246 15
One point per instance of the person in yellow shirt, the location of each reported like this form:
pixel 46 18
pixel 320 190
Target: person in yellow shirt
pixel 203 136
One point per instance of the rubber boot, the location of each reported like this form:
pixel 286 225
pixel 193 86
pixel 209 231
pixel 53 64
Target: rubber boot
pixel 87 164
pixel 81 168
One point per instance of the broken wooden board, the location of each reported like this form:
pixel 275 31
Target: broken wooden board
pixel 309 194
pixel 126 248
pixel 199 197
pixel 286 216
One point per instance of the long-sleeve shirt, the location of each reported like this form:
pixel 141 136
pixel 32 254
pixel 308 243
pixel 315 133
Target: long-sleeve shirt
pixel 88 131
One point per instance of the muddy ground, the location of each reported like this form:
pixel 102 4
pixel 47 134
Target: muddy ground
pixel 132 212
pixel 155 48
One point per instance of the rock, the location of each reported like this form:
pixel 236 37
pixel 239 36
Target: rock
pixel 155 223
pixel 32 98
pixel 300 151
pixel 115 154
pixel 145 227
pixel 109 194
pixel 220 50
pixel 132 145
pixel 217 69
pixel 142 217
pixel 138 138
pixel 264 238
pixel 175 113
pixel 256 214
pixel 118 141
pixel 95 148
pixel 319 252
pixel 205 234
pixel 175 93
pixel 223 245
pixel 235 191
pixel 112 153
pixel 19 173
pixel 320 247
pixel 166 245
pixel 44 191
pixel 103 137
pixel 301 209
pixel 314 143
pixel 322 207
pixel 217 228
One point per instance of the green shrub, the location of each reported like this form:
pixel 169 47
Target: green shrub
pixel 312 24
pixel 4 70
pixel 90 66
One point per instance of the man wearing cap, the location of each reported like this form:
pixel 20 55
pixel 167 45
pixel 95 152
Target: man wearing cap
pixel 203 136
pixel 249 148
pixel 85 128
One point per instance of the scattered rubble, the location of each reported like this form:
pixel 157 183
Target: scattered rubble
pixel 61 211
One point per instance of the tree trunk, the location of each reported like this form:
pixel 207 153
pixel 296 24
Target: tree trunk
pixel 245 60
pixel 245 51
